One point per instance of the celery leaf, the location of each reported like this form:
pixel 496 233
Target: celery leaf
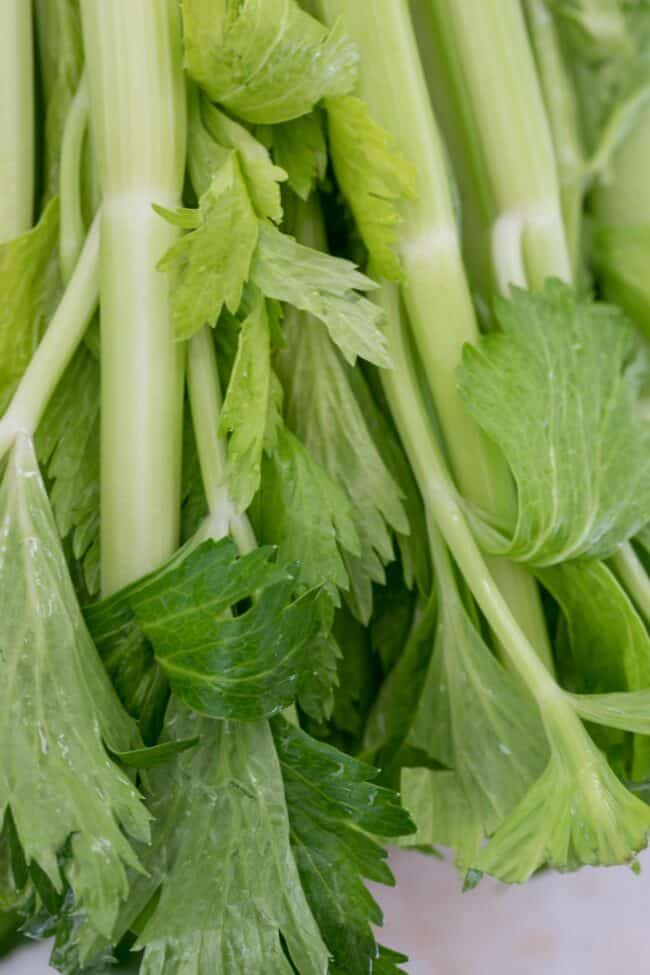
pixel 299 148
pixel 576 813
pixel 244 666
pixel 67 445
pixel 335 811
pixel 28 283
pixel 327 404
pixel 230 883
pixel 607 646
pixel 262 177
pixel 251 409
pixel 209 265
pixel 373 176
pixel 58 709
pixel 557 389
pixel 306 514
pixel 265 62
pixel 326 287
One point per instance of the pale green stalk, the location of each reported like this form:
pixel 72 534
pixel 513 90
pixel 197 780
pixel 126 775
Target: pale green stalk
pixel 16 118
pixel 137 99
pixel 444 508
pixel 563 116
pixel 435 287
pixel 72 228
pixel 63 335
pixel 491 71
pixel 205 402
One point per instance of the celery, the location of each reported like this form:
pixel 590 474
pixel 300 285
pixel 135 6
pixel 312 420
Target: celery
pixel 137 100
pixel 499 101
pixel 435 287
pixel 16 118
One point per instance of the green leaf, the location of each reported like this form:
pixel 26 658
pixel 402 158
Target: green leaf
pixel 266 61
pixel 67 446
pixel 129 660
pixel 620 254
pixel 304 513
pixel 15 888
pixel 629 711
pixel 320 682
pixel 58 24
pixel 209 266
pixel 230 884
pixel 392 713
pixel 262 177
pixel 576 813
pixel 326 287
pixel 251 410
pixel 57 709
pixel 456 708
pixel 388 961
pixel 374 177
pixel 557 390
pixel 299 147
pixel 326 405
pixel 443 812
pixel 246 666
pixel 609 645
pixel 28 283
pixel 156 755
pixel 357 680
pixel 334 811
pixel 474 718
pixel 394 607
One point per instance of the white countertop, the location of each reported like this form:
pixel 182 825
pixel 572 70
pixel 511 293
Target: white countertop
pixel 589 923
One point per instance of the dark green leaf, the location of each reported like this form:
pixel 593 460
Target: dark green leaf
pixel 333 808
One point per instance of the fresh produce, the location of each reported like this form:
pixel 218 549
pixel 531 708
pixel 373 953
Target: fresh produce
pixel 326 464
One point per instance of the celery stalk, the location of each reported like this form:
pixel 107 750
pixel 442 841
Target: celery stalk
pixel 16 118
pixel 72 232
pixel 137 98
pixel 563 115
pixel 490 64
pixel 444 506
pixel 435 288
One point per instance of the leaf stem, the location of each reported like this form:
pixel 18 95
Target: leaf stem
pixel 72 228
pixel 57 346
pixel 443 505
pixel 205 402
pixel 630 570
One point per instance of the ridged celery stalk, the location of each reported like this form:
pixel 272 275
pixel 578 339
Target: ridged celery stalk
pixel 137 98
pixel 16 118
pixel 444 511
pixel 435 288
pixel 563 115
pixel 489 62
